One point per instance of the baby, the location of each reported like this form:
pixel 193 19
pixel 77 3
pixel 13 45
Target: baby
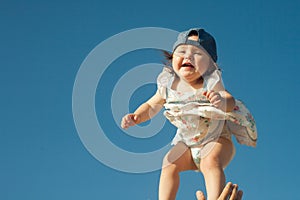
pixel 205 114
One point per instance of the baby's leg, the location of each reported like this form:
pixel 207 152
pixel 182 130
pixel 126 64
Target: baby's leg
pixel 212 167
pixel 177 159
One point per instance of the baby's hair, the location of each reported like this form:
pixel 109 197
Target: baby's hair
pixel 193 33
pixel 167 57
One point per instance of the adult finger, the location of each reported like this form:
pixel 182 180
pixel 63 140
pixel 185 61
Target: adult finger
pixel 239 195
pixel 233 195
pixel 226 192
pixel 200 195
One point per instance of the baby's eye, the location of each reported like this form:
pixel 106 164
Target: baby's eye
pixel 180 53
pixel 198 53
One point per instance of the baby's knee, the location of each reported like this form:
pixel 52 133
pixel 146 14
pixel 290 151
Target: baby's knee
pixel 170 168
pixel 210 163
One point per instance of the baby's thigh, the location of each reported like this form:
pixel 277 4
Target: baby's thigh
pixel 179 157
pixel 221 153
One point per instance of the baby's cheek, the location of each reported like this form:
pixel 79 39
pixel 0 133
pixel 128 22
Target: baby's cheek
pixel 175 63
pixel 201 69
pixel 176 60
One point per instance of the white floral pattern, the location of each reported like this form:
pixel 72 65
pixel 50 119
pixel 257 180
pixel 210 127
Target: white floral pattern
pixel 197 120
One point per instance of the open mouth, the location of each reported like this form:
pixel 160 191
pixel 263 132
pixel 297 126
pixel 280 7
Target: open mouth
pixel 187 65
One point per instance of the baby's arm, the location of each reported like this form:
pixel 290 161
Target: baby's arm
pixel 144 112
pixel 229 100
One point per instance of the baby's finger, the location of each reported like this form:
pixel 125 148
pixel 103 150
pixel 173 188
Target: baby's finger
pixel 129 120
pixel 217 103
pixel 207 93
pixel 126 121
pixel 215 98
pixel 132 119
pixel 124 124
pixel 211 95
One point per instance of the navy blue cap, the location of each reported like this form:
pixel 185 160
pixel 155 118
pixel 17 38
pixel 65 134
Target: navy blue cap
pixel 205 41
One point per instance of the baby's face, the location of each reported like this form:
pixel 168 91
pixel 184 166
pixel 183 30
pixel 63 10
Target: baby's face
pixel 190 62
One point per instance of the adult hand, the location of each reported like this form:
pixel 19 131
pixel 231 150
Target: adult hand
pixel 230 192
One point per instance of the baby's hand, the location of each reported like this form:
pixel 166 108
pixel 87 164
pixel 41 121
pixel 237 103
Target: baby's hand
pixel 129 120
pixel 216 99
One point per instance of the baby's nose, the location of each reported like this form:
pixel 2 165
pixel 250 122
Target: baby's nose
pixel 188 55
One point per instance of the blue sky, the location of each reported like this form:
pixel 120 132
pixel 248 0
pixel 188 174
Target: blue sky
pixel 44 43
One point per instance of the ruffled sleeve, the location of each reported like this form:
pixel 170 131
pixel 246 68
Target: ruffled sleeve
pixel 242 124
pixel 164 80
pixel 212 79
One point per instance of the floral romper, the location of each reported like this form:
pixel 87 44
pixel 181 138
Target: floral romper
pixel 199 123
